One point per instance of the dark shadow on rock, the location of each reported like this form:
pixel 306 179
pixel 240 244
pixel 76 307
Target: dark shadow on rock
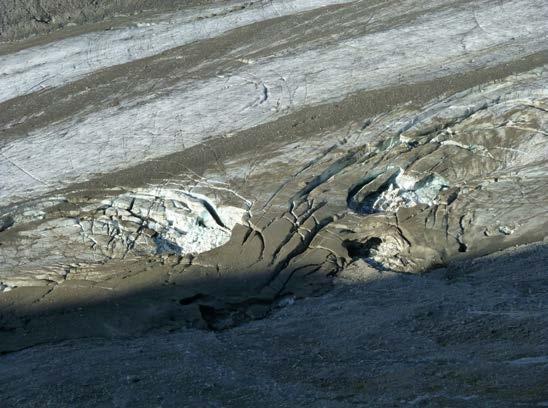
pixel 29 317
pixel 35 315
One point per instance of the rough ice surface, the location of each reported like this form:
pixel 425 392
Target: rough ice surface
pixel 179 221
pixel 61 62
pixel 146 221
pixel 408 191
pixel 153 126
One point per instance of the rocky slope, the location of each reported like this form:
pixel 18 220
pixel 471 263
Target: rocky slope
pixel 470 335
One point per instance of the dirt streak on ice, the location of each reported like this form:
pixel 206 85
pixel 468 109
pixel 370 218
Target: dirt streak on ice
pixel 67 60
